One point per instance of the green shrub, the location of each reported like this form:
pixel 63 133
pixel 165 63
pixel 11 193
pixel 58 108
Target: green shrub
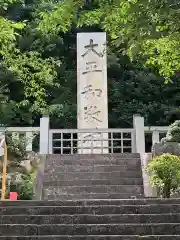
pixel 173 134
pixel 165 173
pixel 26 188
pixel 21 167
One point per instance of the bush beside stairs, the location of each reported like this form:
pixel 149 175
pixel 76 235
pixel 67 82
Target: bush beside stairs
pixel 91 197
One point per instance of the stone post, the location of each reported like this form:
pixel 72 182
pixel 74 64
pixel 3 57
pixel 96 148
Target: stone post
pixel 138 125
pixel 155 137
pixel 44 134
pixel 2 136
pixel 29 139
pixel 92 103
pixel 149 191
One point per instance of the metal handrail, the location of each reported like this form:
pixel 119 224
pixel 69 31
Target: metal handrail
pixel 4 170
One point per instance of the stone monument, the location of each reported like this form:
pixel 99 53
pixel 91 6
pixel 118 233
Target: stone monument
pixel 92 103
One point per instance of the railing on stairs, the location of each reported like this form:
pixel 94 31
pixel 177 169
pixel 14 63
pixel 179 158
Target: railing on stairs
pixel 18 132
pixel 139 138
pixel 156 132
pixel 72 141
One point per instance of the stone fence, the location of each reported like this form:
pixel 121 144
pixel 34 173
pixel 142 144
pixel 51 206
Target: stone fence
pixel 70 141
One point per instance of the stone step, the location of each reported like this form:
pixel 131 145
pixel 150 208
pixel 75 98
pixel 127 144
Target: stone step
pixel 93 237
pixel 91 182
pixel 90 229
pixel 71 176
pixel 94 202
pixel 94 168
pixel 90 219
pixel 99 210
pixel 60 190
pixel 95 157
pixel 92 196
pixel 91 161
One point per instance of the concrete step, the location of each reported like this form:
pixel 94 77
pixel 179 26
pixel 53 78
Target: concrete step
pixel 91 182
pixel 94 168
pixel 90 219
pixel 61 190
pixel 71 176
pixel 90 229
pixel 92 196
pixel 93 237
pixel 94 202
pixel 91 161
pixel 94 157
pixel 99 210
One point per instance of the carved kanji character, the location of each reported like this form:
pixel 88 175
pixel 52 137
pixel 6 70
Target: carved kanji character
pixel 91 67
pixel 90 48
pixel 92 136
pixel 89 91
pixel 91 113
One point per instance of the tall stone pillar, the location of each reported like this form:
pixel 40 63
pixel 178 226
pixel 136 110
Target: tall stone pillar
pixel 92 100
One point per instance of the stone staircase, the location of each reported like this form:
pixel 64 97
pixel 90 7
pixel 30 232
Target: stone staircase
pixel 110 176
pixel 133 219
pixel 86 201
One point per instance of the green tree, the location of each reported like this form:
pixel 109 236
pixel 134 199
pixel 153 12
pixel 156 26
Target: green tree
pixel 38 68
pixel 149 29
pixel 32 73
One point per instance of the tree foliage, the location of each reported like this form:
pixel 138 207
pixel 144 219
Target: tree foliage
pixel 149 29
pixel 32 73
pixel 173 133
pixel 38 59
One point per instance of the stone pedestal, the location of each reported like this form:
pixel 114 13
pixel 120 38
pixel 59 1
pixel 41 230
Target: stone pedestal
pixel 92 101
